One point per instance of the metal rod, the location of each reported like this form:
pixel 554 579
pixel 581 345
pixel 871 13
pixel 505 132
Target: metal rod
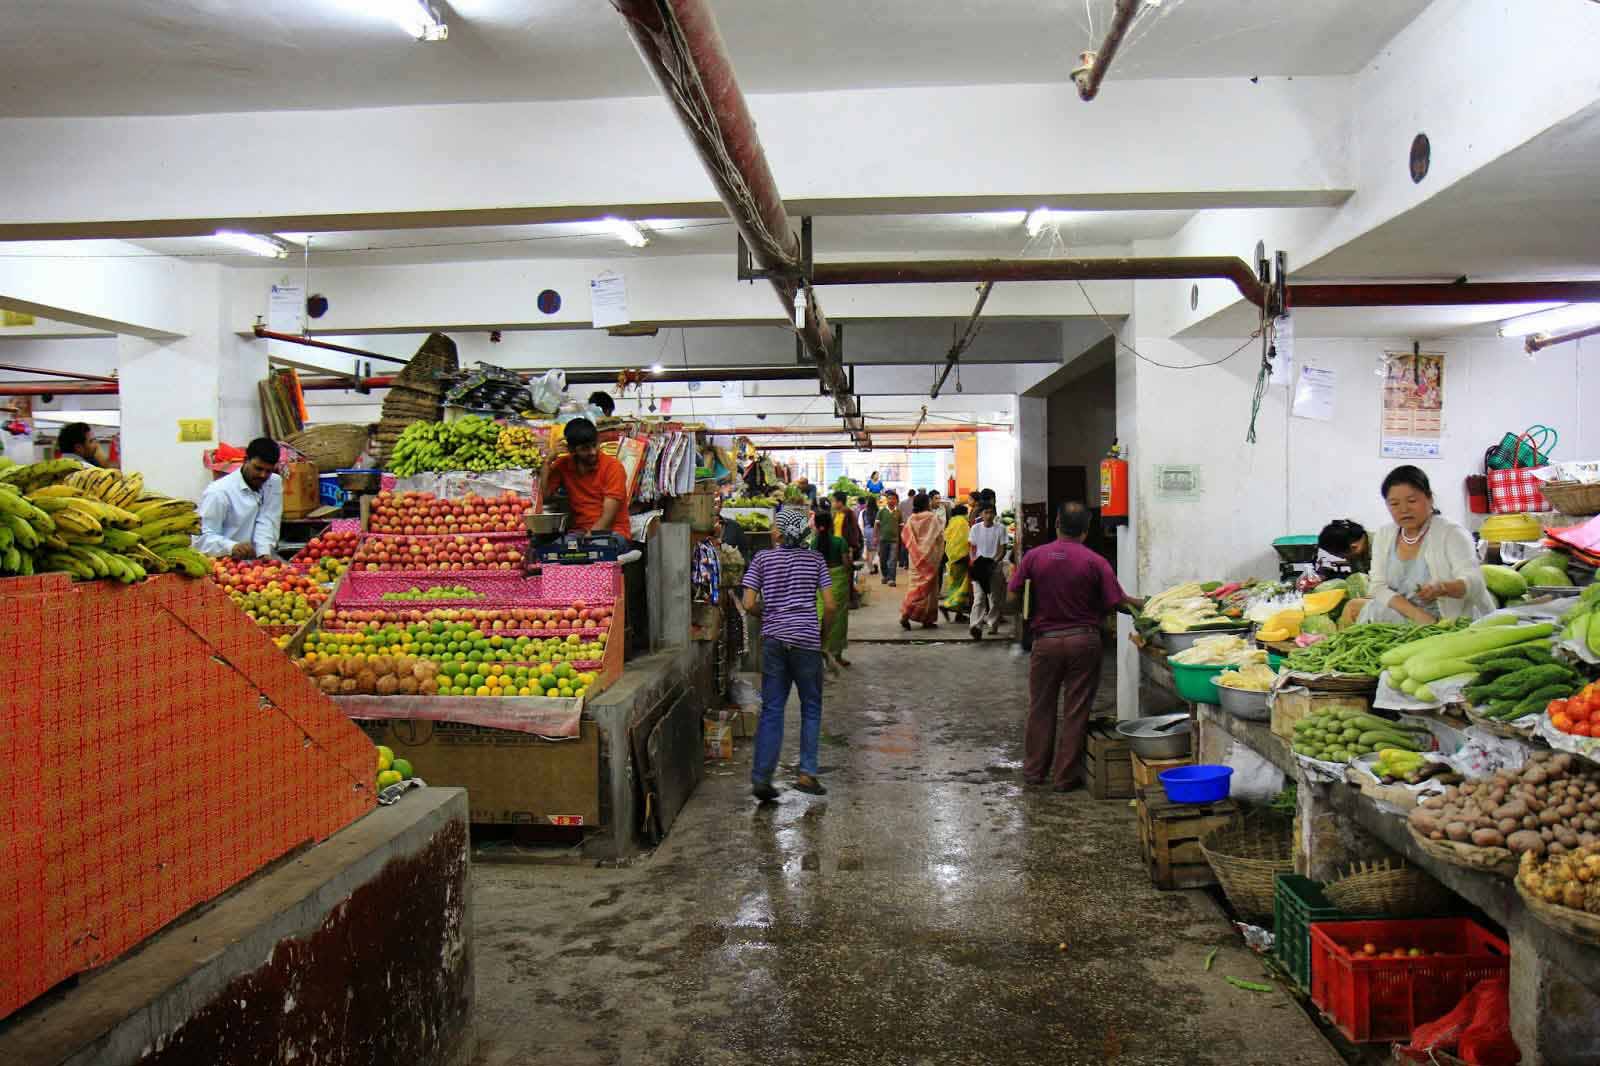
pixel 967 335
pixel 1442 294
pixel 263 333
pixel 65 388
pixel 683 49
pixel 1122 17
pixel 1540 341
pixel 56 373
pixel 919 271
pixel 818 431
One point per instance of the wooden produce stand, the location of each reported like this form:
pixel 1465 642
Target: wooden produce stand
pixel 1169 837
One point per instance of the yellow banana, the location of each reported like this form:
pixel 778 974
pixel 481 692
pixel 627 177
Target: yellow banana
pixel 62 491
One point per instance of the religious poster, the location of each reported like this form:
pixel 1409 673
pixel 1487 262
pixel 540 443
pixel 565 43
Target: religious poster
pixel 1413 405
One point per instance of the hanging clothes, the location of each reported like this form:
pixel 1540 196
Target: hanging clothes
pixel 705 574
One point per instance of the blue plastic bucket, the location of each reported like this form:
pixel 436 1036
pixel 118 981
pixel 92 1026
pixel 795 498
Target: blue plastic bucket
pixel 1196 784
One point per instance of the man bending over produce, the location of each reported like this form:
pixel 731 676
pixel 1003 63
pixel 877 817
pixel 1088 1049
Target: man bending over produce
pixel 1073 590
pixel 240 513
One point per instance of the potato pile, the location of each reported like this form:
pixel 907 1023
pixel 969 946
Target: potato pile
pixel 1569 880
pixel 1549 807
pixel 376 675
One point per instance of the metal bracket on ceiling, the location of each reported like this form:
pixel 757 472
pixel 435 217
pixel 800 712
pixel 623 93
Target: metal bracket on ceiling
pixel 748 271
pixel 1277 294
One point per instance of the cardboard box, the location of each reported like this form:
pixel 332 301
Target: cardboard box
pixel 302 490
pixel 511 778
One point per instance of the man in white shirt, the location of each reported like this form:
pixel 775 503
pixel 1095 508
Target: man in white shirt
pixel 240 513
pixel 988 544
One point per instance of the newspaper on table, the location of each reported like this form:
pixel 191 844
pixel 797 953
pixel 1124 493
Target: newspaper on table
pixel 1583 747
pixel 1482 753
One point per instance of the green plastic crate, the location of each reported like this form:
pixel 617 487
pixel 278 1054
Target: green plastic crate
pixel 1297 903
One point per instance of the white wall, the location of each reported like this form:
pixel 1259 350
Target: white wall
pixel 997 469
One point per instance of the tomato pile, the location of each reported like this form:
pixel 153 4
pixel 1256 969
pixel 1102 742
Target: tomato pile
pixel 1578 715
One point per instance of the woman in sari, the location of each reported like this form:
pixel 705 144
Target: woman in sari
pixel 836 553
pixel 957 579
pixel 923 536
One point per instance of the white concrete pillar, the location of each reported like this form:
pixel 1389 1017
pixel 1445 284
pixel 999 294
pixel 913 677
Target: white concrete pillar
pixel 1128 535
pixel 208 373
pixel 1033 450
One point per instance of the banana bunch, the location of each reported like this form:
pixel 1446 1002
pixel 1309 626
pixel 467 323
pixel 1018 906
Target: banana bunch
pixel 25 526
pixel 37 475
pixel 88 563
pixel 114 488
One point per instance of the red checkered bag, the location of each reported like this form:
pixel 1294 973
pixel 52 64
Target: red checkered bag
pixel 1515 490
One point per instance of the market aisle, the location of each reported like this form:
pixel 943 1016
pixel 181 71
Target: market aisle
pixel 878 619
pixel 910 916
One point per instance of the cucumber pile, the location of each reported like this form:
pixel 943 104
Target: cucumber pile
pixel 1342 735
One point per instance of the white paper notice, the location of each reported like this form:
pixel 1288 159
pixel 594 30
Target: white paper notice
pixel 608 301
pixel 1313 394
pixel 1283 346
pixel 286 308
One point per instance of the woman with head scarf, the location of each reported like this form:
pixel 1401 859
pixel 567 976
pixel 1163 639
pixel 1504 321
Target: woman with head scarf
pixel 833 602
pixel 784 584
pixel 923 537
pixel 957 580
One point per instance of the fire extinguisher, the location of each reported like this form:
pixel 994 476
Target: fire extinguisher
pixel 1114 486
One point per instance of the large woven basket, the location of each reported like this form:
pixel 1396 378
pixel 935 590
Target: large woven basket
pixel 1389 888
pixel 1498 861
pixel 1573 497
pixel 1247 856
pixel 331 447
pixel 1579 925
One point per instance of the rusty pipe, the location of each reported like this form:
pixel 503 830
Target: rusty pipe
pixel 73 374
pixel 1097 63
pixel 50 388
pixel 263 333
pixel 914 271
pixel 1441 294
pixel 1540 341
pixel 683 49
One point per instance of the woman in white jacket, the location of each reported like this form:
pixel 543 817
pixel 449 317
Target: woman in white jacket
pixel 1424 567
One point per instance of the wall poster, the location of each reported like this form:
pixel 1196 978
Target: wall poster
pixel 1413 405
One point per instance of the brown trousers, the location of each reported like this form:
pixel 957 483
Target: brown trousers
pixel 1062 662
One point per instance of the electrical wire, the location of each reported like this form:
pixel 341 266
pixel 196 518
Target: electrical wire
pixel 1156 362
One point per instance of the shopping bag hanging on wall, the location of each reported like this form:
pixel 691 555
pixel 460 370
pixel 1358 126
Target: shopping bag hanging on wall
pixel 1517 489
pixel 1531 448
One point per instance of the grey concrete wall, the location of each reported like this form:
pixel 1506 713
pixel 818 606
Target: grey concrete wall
pixel 1083 420
pixel 356 953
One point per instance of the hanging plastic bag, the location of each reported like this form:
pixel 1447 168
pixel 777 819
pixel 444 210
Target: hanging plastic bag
pixel 549 390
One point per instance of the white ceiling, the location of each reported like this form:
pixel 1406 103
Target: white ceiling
pixel 120 57
pixel 999 234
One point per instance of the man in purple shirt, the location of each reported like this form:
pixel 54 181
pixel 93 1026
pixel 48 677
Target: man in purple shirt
pixel 787 580
pixel 1073 590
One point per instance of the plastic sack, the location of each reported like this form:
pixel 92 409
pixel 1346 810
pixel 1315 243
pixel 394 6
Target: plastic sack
pixel 1487 1040
pixel 548 391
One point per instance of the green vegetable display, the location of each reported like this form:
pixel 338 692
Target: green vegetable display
pixel 470 443
pixel 1504 582
pixel 1343 734
pixel 1357 649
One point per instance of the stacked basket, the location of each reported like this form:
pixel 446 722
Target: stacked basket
pixel 417 393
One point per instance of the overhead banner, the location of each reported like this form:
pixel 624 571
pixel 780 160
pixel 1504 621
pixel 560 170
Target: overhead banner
pixel 1413 405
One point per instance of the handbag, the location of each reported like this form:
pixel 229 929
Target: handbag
pixel 1531 448
pixel 1516 490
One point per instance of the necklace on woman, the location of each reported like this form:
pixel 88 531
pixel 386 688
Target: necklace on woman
pixel 1423 532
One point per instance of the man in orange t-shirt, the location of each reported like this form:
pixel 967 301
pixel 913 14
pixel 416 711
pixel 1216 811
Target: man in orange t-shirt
pixel 596 484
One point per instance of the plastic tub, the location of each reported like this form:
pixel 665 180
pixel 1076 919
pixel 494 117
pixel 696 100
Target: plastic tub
pixel 1196 784
pixel 1194 682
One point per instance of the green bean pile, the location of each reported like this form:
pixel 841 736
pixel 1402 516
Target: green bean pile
pixel 1356 650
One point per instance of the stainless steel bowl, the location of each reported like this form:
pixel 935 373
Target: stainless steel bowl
pixel 1158 737
pixel 546 523
pixel 1176 642
pixel 1242 703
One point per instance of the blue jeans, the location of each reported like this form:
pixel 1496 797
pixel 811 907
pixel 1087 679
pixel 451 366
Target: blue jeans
pixel 888 554
pixel 781 664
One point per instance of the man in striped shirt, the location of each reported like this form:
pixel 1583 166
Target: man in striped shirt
pixel 787 579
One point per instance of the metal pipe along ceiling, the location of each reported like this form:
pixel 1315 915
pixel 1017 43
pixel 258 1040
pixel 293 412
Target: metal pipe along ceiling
pixel 680 44
pixel 1121 19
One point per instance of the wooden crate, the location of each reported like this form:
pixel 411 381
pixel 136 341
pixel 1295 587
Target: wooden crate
pixel 1293 704
pixel 1107 762
pixel 1169 838
pixel 1146 771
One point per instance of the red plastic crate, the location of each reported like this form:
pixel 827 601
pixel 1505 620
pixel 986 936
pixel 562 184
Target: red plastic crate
pixel 1373 999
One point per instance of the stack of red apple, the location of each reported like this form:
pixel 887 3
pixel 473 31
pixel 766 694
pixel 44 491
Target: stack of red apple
pixel 327 544
pixel 423 513
pixel 458 552
pixel 557 621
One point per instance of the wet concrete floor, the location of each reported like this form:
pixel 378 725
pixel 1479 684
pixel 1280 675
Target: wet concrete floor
pixel 914 915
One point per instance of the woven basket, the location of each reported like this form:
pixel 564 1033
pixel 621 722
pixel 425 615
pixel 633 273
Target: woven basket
pixel 1388 888
pixel 332 447
pixel 1579 925
pixel 1346 684
pixel 1498 861
pixel 1247 857
pixel 1573 497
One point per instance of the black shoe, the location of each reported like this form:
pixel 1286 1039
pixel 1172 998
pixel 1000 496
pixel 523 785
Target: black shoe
pixel 764 792
pixel 809 785
pixel 905 623
pixel 977 632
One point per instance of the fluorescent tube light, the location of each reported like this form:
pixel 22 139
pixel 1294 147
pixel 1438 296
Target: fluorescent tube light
pixel 416 17
pixel 656 368
pixel 254 243
pixel 1555 320
pixel 1040 217
pixel 625 231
